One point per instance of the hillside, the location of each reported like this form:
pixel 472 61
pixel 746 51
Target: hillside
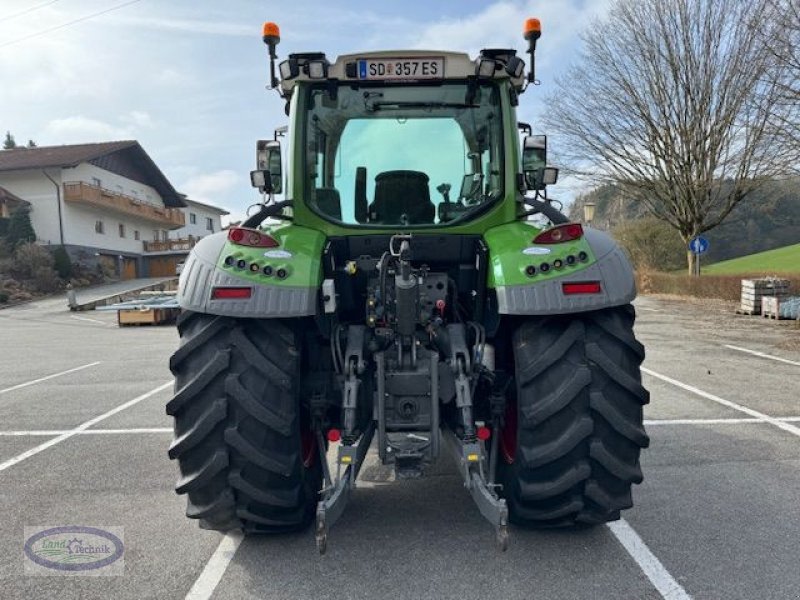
pixel 779 260
pixel 768 219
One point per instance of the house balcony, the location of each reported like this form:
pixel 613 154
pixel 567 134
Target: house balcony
pixel 93 196
pixel 166 246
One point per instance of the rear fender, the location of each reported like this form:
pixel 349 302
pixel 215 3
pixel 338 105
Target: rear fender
pixel 216 262
pixel 512 251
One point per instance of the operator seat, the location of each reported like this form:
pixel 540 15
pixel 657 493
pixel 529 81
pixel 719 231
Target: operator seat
pixel 402 197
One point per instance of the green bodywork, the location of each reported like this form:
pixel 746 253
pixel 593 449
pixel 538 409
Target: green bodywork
pixel 299 253
pixel 508 258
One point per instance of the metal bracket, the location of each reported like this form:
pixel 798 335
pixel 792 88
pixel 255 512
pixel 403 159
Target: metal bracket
pixel 491 506
pixel 335 497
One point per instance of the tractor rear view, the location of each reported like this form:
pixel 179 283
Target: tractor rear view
pixel 403 296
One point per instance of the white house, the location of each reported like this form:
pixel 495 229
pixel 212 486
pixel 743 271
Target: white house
pixel 106 203
pixel 201 220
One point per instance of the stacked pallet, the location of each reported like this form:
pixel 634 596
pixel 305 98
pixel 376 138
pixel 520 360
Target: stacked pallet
pixel 781 308
pixel 755 290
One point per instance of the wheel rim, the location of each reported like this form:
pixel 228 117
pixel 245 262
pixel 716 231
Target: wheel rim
pixel 508 436
pixel 308 447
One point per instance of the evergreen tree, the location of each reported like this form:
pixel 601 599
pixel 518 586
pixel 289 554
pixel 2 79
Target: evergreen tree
pixel 31 144
pixel 20 229
pixel 9 142
pixel 62 264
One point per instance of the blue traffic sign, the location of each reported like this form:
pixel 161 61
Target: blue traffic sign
pixel 698 245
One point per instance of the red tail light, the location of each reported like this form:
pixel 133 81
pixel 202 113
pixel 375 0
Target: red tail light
pixel 583 287
pixel 231 293
pixel 560 233
pixel 251 237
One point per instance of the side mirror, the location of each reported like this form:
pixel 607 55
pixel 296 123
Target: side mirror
pixel 534 160
pixel 268 176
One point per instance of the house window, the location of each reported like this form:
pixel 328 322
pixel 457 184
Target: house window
pixel 136 234
pixel 209 223
pixel 96 182
pixel 164 235
pixel 121 230
pixel 192 218
pixel 98 227
pixel 155 235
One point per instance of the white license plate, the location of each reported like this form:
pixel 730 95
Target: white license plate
pixel 401 68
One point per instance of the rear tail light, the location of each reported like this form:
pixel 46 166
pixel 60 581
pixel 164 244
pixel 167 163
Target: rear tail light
pixel 583 287
pixel 560 233
pixel 251 237
pixel 231 293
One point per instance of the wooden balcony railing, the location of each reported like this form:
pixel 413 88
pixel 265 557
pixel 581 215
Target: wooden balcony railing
pixel 184 244
pixel 84 193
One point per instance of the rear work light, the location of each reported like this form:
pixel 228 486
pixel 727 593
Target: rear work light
pixel 231 293
pixel 560 233
pixel 243 236
pixel 583 287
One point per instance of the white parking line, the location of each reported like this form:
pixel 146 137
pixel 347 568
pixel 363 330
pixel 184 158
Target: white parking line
pixel 51 432
pixel 647 561
pixel 650 309
pixel 650 422
pixel 215 567
pixel 763 355
pixel 794 430
pixel 80 428
pixel 68 371
pixel 87 319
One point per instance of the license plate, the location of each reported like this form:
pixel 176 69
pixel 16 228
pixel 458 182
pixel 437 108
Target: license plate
pixel 401 68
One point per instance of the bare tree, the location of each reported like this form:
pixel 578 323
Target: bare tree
pixel 783 39
pixel 671 100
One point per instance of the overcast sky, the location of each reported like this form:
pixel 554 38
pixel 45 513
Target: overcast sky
pixel 186 77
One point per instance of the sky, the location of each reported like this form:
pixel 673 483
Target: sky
pixel 186 78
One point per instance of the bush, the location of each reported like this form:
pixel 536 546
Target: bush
pixel 62 264
pixel 652 244
pixel 3 297
pixel 28 259
pixel 45 280
pixel 725 287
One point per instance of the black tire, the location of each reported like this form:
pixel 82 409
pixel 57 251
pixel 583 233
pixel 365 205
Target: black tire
pixel 572 451
pixel 242 438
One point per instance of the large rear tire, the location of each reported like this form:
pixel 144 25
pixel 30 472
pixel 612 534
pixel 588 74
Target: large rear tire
pixel 574 426
pixel 242 439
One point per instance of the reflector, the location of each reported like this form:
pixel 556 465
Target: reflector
pixel 583 287
pixel 231 293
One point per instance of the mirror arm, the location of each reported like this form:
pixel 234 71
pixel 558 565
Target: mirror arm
pixel 547 209
pixel 266 211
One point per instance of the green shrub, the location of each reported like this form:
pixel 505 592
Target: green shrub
pixel 62 264
pixel 3 297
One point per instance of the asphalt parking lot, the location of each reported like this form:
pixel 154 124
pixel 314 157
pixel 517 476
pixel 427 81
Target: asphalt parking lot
pixel 83 440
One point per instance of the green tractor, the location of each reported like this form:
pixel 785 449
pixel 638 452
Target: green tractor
pixel 405 294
